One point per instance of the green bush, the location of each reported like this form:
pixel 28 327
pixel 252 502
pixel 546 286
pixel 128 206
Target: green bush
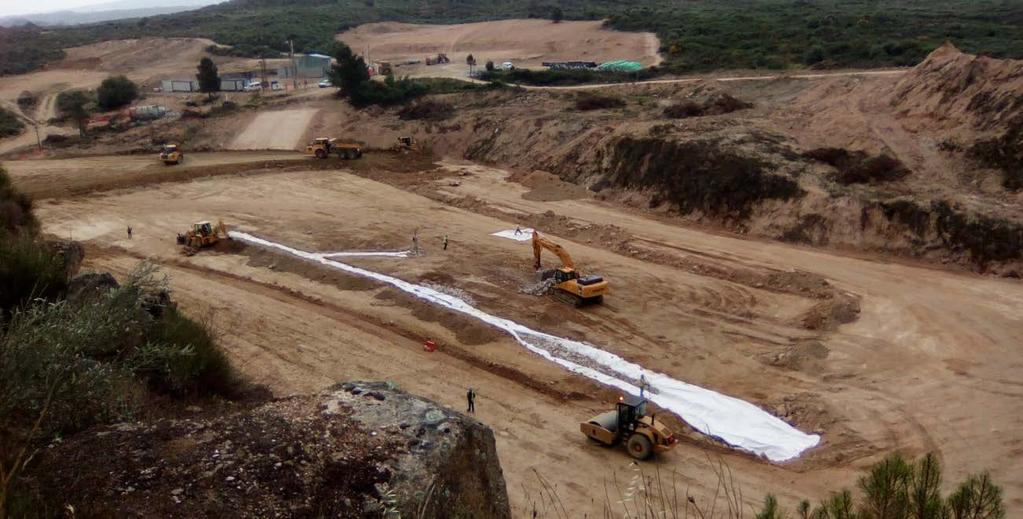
pixel 897 489
pixel 591 101
pixel 9 123
pixel 15 209
pixel 115 92
pixel 182 357
pixel 28 271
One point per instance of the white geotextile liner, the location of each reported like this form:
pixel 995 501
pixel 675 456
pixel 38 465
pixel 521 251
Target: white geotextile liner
pixel 524 234
pixel 371 254
pixel 734 421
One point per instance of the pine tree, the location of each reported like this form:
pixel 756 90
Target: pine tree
pixel 209 80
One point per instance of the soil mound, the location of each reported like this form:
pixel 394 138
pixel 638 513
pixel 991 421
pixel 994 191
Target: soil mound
pixel 961 88
pixel 548 187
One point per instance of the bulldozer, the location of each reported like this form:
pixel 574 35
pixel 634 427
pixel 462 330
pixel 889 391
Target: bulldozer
pixel 643 435
pixel 405 143
pixel 322 147
pixel 566 284
pixel 202 235
pixel 171 154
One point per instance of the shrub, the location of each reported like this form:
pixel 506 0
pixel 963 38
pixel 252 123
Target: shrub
pixel 182 357
pixel 857 167
pixel 9 123
pixel 27 100
pixel 28 271
pixel 15 209
pixel 426 110
pixel 115 92
pixel 592 101
pixel 683 110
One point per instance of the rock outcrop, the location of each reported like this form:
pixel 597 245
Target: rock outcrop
pixel 355 450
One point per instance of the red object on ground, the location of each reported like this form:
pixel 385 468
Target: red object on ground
pixel 430 346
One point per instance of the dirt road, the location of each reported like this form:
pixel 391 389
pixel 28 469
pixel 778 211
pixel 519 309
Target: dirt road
pixel 924 338
pixel 45 178
pixel 278 130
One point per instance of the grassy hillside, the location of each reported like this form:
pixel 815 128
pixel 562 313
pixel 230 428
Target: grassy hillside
pixel 696 35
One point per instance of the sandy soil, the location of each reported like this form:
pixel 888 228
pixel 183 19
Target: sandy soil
pixel 925 337
pixel 527 43
pixel 278 130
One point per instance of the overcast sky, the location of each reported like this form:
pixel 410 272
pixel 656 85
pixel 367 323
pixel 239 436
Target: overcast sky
pixel 9 7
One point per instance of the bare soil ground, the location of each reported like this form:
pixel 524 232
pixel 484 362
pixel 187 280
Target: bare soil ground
pixel 277 130
pixel 722 312
pixel 526 43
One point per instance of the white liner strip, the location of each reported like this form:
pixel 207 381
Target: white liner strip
pixel 523 235
pixel 734 421
pixel 374 254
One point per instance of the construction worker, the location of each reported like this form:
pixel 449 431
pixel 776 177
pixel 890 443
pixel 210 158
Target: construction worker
pixel 129 232
pixel 470 396
pixel 518 230
pixel 445 242
pixel 642 385
pixel 415 244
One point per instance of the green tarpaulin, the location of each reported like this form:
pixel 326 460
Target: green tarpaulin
pixel 620 65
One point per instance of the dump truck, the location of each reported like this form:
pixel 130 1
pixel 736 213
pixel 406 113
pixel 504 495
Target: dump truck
pixel 323 147
pixel 171 154
pixel 643 435
pixel 202 235
pixel 566 284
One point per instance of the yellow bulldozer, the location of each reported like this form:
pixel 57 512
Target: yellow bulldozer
pixel 323 147
pixel 566 284
pixel 202 235
pixel 171 154
pixel 643 435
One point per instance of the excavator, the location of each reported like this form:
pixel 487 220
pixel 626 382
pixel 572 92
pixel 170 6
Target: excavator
pixel 567 284
pixel 202 235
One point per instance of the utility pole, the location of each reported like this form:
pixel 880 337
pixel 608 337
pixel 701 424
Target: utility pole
pixel 294 68
pixel 39 141
pixel 262 79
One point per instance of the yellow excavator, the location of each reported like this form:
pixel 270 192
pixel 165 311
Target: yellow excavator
pixel 202 235
pixel 568 285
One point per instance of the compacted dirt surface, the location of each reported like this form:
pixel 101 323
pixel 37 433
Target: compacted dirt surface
pixel 874 352
pixel 925 361
pixel 277 130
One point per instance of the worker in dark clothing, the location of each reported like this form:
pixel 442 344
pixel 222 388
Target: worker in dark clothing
pixel 470 396
pixel 445 242
pixel 129 232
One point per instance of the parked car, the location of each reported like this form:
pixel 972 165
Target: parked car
pixel 253 86
pixel 326 83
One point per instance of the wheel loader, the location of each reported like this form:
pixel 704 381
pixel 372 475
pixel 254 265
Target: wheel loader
pixel 643 435
pixel 171 154
pixel 202 235
pixel 322 147
pixel 567 284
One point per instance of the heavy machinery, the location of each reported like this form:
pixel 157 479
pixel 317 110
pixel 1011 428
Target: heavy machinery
pixel 439 60
pixel 171 154
pixel 643 435
pixel 565 283
pixel 202 235
pixel 322 147
pixel 405 143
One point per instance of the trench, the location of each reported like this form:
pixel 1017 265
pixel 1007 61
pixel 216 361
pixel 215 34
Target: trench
pixel 734 421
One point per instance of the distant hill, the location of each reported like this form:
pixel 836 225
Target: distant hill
pixel 119 10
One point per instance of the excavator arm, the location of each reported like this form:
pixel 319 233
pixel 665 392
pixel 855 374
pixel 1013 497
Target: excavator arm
pixel 540 243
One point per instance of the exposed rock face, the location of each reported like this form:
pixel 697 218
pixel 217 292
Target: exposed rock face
pixel 355 450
